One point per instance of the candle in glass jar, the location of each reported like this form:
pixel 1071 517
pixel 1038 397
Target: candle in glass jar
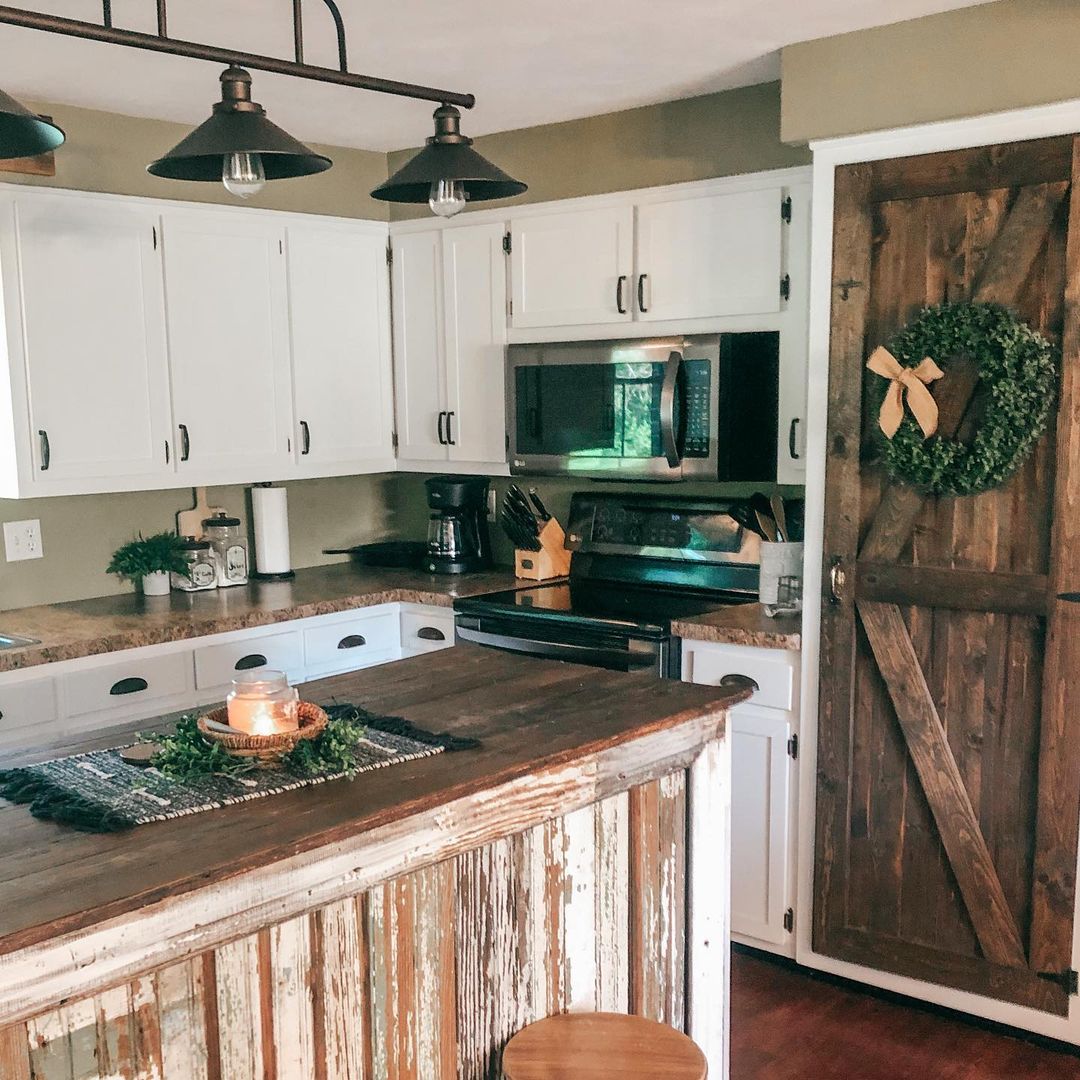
pixel 263 703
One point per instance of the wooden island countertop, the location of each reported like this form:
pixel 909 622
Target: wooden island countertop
pixel 82 912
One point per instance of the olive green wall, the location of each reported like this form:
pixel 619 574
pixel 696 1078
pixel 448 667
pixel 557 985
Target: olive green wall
pixel 736 131
pixel 981 59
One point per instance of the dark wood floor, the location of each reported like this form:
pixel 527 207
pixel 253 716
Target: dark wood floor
pixel 788 1026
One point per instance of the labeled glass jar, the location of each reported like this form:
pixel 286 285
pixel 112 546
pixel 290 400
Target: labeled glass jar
pixel 263 703
pixel 201 567
pixel 230 549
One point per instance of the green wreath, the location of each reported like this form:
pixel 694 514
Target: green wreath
pixel 1018 381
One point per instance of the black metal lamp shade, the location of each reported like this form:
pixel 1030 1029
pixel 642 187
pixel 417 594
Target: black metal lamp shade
pixel 448 155
pixel 237 125
pixel 24 134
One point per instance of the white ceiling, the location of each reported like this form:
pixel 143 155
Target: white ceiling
pixel 527 62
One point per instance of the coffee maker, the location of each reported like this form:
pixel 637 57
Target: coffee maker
pixel 458 539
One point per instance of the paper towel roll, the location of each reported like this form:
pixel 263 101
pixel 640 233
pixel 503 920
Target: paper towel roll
pixel 270 523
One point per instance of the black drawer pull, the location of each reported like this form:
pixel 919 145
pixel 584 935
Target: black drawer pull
pixel 352 641
pixel 254 659
pixel 134 685
pixel 430 633
pixel 740 680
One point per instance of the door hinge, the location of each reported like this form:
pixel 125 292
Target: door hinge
pixel 508 244
pixel 389 255
pixel 1068 981
pixel 793 747
pixel 394 441
pixel 153 231
pixel 785 209
pixel 789 920
pixel 785 287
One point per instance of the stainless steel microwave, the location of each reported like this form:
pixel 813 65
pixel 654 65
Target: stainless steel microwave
pixel 686 408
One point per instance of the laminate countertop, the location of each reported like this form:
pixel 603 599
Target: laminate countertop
pixel 111 623
pixel 742 624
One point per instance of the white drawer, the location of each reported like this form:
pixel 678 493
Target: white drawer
pixel 427 631
pixel 217 665
pixel 351 643
pixel 128 686
pixel 775 671
pixel 27 704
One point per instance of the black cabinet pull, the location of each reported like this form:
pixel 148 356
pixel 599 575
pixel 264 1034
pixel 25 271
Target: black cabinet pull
pixel 46 452
pixel 620 307
pixel 449 430
pixel 352 641
pixel 305 437
pixel 791 439
pixel 641 293
pixel 430 633
pixel 185 442
pixel 442 437
pixel 740 680
pixel 133 685
pixel 251 660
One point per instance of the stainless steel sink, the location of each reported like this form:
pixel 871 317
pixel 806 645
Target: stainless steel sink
pixel 13 641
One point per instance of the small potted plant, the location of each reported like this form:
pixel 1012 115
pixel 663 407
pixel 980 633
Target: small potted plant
pixel 149 561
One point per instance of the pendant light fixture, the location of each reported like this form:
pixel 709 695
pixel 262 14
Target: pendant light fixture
pixel 22 133
pixel 238 145
pixel 448 172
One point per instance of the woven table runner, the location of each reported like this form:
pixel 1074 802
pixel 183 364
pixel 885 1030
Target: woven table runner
pixel 98 792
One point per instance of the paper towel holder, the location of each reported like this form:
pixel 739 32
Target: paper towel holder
pixel 262 575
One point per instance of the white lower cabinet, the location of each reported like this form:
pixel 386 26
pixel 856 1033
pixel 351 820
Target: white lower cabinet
pixel 764 746
pixel 425 629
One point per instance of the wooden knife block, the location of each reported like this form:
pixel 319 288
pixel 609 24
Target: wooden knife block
pixel 551 561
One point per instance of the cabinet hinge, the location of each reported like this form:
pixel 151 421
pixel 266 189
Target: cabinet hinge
pixel 789 920
pixel 394 441
pixel 1068 981
pixel 785 209
pixel 153 232
pixel 785 287
pixel 389 255
pixel 793 747
pixel 507 243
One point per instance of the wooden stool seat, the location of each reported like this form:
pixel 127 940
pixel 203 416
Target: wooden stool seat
pixel 601 1046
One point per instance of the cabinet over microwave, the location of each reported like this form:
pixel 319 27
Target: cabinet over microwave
pixel 680 408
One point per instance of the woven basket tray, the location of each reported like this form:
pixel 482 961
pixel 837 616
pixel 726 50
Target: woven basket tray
pixel 265 749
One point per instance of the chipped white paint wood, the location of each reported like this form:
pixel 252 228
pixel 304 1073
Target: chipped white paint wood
pixel 579 908
pixel 343 1020
pixel 182 1022
pixel 612 904
pixel 291 998
pixel 708 877
pixel 239 1012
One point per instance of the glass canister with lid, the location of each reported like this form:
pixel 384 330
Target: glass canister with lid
pixel 229 546
pixel 201 566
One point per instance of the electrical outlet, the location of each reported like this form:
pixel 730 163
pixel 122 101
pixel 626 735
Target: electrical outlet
pixel 22 540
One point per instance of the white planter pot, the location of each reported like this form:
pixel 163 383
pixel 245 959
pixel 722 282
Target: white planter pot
pixel 156 584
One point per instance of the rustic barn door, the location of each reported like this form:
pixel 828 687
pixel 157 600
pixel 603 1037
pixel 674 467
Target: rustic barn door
pixel 948 794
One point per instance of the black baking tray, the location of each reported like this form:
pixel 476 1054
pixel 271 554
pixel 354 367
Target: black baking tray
pixel 401 554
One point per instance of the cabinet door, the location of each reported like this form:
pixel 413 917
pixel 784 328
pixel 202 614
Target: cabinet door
pixel 474 286
pixel 760 815
pixel 94 338
pixel 339 309
pixel 418 361
pixel 573 268
pixel 226 308
pixel 709 256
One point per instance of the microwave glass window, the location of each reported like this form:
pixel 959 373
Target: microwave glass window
pixel 590 411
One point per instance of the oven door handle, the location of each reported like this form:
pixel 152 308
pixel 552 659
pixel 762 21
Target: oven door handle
pixel 668 390
pixel 554 650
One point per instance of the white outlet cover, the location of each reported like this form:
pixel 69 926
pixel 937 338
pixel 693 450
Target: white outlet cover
pixel 22 540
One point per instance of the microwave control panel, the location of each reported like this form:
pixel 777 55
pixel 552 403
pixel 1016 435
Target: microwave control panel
pixel 698 412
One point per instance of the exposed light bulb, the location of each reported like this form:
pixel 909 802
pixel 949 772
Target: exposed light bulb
pixel 243 174
pixel 447 197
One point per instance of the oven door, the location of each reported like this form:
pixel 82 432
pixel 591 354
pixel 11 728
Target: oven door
pixel 575 644
pixel 628 409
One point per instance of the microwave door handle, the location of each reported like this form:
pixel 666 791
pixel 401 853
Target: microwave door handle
pixel 668 390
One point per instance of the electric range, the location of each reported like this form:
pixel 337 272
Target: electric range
pixel 640 563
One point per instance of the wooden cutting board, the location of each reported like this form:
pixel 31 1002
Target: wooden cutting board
pixel 189 522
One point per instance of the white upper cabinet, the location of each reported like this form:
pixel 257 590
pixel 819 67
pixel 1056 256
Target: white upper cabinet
pixel 449 290
pixel 227 317
pixel 419 369
pixel 85 329
pixel 339 317
pixel 572 268
pixel 709 256
pixel 474 288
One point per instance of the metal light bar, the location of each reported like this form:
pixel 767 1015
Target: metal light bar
pixel 111 35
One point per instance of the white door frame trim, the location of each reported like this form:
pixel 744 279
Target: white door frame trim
pixel 1043 121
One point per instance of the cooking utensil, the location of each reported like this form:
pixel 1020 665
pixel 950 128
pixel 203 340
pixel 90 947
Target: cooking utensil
pixel 517 498
pixel 780 517
pixel 521 535
pixel 759 504
pixel 538 503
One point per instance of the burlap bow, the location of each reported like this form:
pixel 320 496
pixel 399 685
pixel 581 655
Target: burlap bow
pixel 909 382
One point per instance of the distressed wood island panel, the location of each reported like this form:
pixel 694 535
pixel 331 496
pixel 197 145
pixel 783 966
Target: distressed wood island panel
pixel 585 869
